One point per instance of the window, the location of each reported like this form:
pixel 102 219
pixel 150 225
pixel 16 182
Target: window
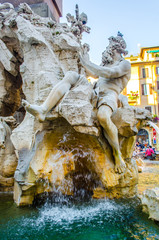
pixel 146 89
pixel 157 70
pixel 145 72
pixel 148 108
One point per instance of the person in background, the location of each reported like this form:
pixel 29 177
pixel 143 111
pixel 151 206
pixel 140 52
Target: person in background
pixel 149 153
pixel 140 146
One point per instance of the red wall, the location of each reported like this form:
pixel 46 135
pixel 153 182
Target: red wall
pixel 55 7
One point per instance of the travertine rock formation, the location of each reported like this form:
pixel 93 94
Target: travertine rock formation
pixel 150 203
pixel 8 159
pixel 67 153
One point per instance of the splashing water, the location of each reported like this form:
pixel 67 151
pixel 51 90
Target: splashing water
pixel 63 219
pixel 95 220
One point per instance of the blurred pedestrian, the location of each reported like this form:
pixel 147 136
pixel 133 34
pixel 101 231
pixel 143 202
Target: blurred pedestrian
pixel 149 153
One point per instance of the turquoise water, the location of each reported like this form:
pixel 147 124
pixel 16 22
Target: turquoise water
pixel 94 219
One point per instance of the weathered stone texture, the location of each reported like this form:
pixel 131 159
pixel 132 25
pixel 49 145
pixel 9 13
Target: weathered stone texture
pixel 67 152
pixel 150 203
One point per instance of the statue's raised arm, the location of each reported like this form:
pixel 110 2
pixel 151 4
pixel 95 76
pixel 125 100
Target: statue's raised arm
pixel 107 72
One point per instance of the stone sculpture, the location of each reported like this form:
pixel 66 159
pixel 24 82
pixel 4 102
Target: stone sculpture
pixel 66 150
pixel 78 24
pixel 114 75
pixel 6 10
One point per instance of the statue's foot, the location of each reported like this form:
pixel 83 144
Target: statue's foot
pixel 34 110
pixel 120 166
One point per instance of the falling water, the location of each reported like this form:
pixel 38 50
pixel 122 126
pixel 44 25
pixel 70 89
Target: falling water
pixel 71 160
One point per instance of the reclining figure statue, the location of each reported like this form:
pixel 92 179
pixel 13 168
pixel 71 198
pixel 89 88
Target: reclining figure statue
pixel 113 75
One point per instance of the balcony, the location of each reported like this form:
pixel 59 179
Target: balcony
pixel 133 97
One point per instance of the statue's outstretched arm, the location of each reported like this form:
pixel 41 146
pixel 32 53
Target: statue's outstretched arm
pixel 123 68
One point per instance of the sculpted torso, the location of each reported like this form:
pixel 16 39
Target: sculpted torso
pixel 115 84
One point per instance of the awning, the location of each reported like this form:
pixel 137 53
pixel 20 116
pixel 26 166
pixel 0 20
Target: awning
pixel 153 51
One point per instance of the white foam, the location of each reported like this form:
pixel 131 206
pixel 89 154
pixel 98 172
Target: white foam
pixel 65 215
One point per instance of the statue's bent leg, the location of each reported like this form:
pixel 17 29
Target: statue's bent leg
pixel 54 96
pixel 111 134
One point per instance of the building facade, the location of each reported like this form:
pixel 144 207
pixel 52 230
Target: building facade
pixel 143 89
pixel 44 8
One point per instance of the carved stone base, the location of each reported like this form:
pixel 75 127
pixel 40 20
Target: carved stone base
pixel 66 162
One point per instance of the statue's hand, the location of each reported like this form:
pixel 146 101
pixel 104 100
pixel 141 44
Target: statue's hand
pixel 84 60
pixel 128 107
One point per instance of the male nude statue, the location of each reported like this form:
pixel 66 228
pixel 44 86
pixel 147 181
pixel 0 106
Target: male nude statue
pixel 114 74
